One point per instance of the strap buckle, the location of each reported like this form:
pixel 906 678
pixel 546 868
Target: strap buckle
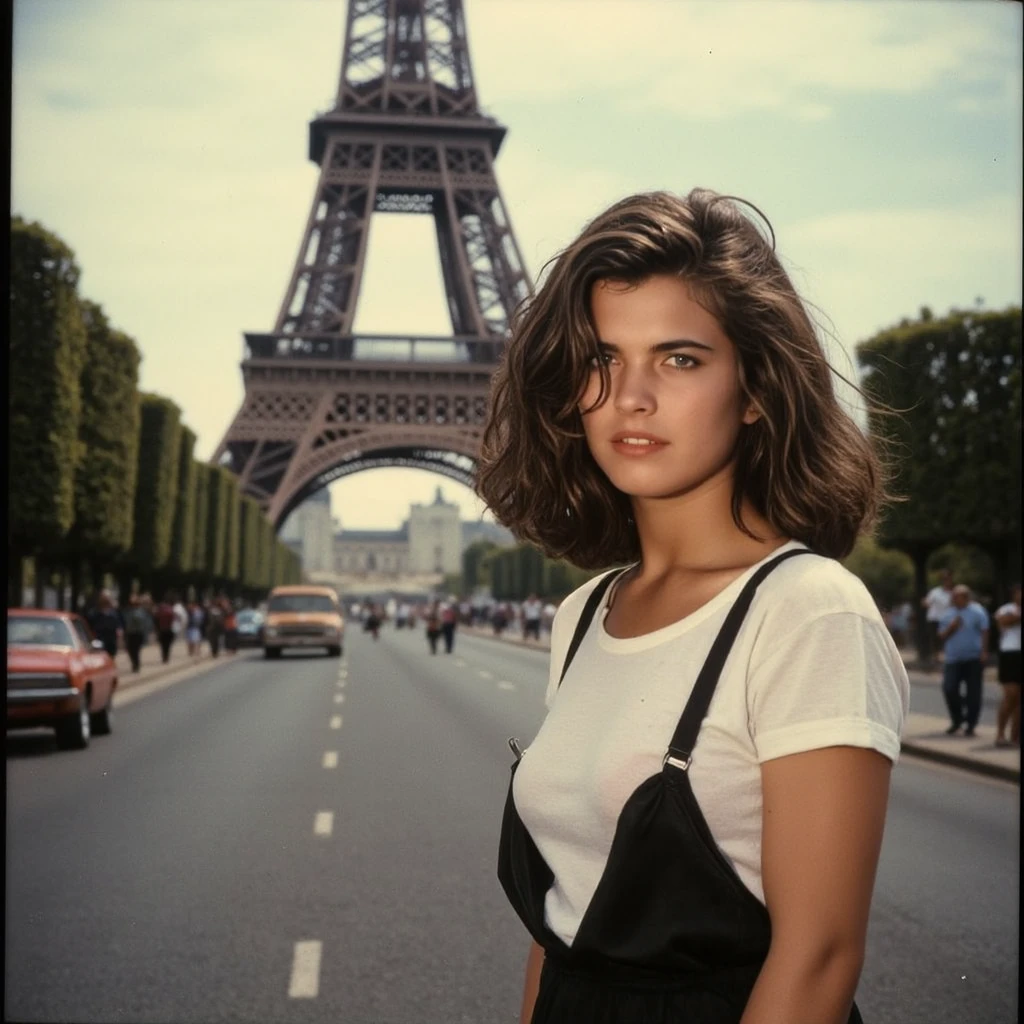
pixel 677 758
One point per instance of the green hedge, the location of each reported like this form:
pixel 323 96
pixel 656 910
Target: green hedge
pixel 47 350
pixel 200 515
pixel 217 521
pixel 183 529
pixel 157 490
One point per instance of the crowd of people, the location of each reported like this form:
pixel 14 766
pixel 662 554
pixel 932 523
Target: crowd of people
pixel 141 620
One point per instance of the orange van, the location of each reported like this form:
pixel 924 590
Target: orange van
pixel 303 616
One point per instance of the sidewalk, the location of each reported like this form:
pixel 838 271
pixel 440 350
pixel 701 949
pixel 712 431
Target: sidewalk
pixel 923 735
pixel 151 667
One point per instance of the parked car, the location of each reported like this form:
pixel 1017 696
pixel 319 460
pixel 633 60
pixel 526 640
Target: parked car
pixel 303 616
pixel 59 676
pixel 249 625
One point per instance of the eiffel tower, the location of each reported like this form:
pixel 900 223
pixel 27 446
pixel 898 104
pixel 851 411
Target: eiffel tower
pixel 405 135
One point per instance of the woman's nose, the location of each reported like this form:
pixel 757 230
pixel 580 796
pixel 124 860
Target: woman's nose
pixel 633 391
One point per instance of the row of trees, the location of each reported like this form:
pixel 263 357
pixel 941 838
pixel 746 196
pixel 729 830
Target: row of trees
pixel 102 479
pixel 512 574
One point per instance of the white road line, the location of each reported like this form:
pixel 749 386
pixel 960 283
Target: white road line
pixel 339 698
pixel 331 759
pixel 506 685
pixel 460 663
pixel 336 722
pixel 484 674
pixel 324 823
pixel 305 983
pixel 341 684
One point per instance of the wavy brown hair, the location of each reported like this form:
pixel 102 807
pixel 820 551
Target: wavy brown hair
pixel 804 464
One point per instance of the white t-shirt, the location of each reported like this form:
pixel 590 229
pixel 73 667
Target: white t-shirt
pixel 532 610
pixel 813 666
pixel 1009 636
pixel 939 601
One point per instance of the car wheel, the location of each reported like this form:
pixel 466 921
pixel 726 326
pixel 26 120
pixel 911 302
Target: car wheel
pixel 271 652
pixel 333 652
pixel 102 723
pixel 75 731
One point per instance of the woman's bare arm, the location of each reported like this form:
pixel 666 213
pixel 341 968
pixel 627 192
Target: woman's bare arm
pixel 822 823
pixel 534 962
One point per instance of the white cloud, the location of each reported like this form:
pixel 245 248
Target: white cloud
pixel 709 60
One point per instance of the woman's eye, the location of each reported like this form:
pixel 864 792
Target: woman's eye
pixel 601 359
pixel 682 362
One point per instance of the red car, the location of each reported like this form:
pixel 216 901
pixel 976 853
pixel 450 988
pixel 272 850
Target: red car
pixel 58 675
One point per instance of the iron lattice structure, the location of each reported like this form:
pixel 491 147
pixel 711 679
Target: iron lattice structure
pixel 406 134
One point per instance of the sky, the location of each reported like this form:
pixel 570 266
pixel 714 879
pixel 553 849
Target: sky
pixel 165 142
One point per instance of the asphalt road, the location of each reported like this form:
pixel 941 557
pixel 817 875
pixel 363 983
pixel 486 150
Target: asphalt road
pixel 205 864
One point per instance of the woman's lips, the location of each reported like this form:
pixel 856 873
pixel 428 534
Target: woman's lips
pixel 640 448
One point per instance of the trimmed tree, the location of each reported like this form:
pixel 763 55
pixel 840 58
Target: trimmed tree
pixel 200 513
pixel 47 351
pixel 956 385
pixel 108 433
pixel 157 490
pixel 181 558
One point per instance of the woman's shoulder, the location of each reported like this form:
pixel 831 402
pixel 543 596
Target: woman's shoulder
pixel 814 585
pixel 572 606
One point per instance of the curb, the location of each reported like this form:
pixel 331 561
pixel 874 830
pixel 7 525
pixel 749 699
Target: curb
pixel 926 753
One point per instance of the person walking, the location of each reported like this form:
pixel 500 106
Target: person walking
pixel 214 626
pixel 694 832
pixel 106 623
pixel 138 624
pixel 433 625
pixel 449 620
pixel 532 612
pixel 1008 620
pixel 165 619
pixel 230 627
pixel 963 631
pixel 194 628
pixel 936 603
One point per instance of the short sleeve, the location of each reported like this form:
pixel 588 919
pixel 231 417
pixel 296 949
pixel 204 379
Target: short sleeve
pixel 838 680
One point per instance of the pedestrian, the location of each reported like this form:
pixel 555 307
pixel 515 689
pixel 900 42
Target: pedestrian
pixel 532 612
pixel 1008 619
pixel 433 625
pixel 937 602
pixel 194 628
pixel 138 624
pixel 694 831
pixel 165 619
pixel 230 627
pixel 449 620
pixel 963 632
pixel 106 623
pixel 214 626
pixel 180 618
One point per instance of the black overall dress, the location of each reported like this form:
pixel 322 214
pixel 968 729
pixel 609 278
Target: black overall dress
pixel 671 935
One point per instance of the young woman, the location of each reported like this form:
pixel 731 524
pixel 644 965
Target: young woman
pixel 1008 619
pixel 692 836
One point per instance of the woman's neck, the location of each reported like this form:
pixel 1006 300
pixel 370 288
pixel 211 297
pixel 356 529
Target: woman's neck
pixel 696 533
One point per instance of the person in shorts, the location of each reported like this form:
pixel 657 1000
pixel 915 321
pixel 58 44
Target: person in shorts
pixel 1008 619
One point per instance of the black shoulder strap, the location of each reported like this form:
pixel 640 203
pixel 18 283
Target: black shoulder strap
pixel 586 617
pixel 697 706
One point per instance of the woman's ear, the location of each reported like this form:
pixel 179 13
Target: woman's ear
pixel 751 413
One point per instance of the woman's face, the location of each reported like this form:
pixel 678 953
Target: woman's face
pixel 669 424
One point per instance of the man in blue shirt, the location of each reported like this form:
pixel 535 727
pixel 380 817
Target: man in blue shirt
pixel 963 629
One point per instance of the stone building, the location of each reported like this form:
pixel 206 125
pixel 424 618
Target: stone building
pixel 309 530
pixel 372 552
pixel 435 537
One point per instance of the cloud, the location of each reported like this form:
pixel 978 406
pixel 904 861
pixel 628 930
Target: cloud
pixel 712 60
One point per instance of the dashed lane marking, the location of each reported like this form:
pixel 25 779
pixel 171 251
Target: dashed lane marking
pixel 484 674
pixel 336 722
pixel 305 981
pixel 331 759
pixel 339 698
pixel 324 823
pixel 506 685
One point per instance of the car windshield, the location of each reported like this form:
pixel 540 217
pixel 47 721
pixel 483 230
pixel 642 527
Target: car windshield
pixel 247 616
pixel 41 631
pixel 300 603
